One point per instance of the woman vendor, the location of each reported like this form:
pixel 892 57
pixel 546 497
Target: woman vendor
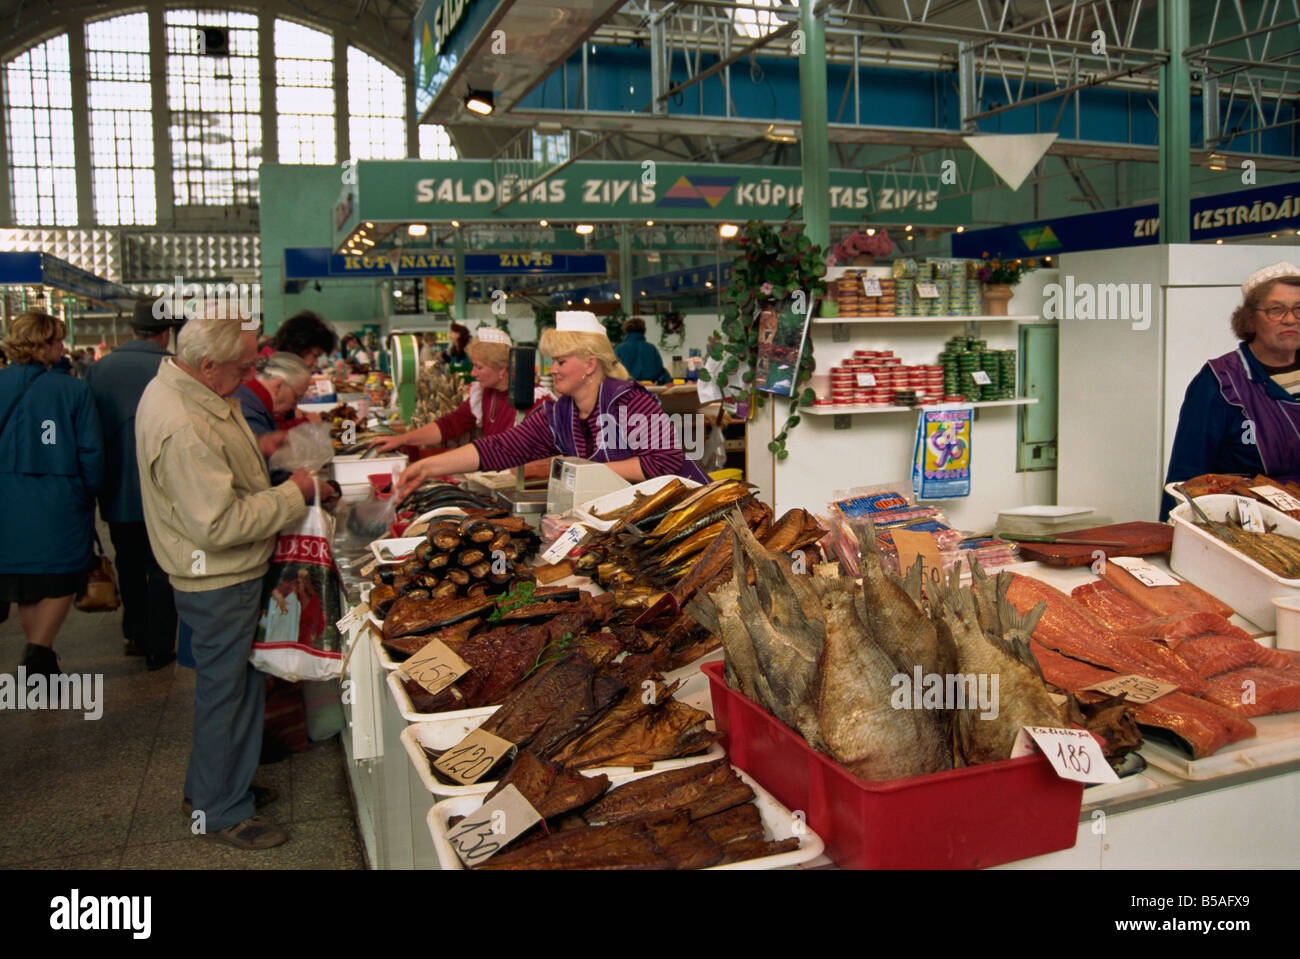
pixel 602 415
pixel 1241 413
pixel 487 407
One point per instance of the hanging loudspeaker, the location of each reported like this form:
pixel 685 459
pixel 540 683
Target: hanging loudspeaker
pixel 522 361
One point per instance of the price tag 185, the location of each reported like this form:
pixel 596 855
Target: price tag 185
pixel 435 667
pixel 1278 498
pixel 484 833
pixel 927 291
pixel 565 543
pixel 1073 753
pixel 470 759
pixel 871 286
pixel 1143 572
pixel 866 379
pixel 1248 511
pixel 1136 689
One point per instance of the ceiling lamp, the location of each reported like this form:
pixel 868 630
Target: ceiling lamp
pixel 586 300
pixel 961 229
pixel 370 226
pixel 480 102
pixel 456 224
pixel 728 230
pixel 649 222
pixel 417 229
pixel 780 134
pixel 543 223
pixel 583 229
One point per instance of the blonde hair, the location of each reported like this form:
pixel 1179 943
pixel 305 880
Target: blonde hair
pixel 556 343
pixel 489 354
pixel 30 333
pixel 214 338
pixel 283 366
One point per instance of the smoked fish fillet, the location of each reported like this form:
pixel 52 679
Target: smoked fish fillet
pixel 1212 654
pixel 1165 600
pixel 1172 630
pixel 1275 690
pixel 1110 606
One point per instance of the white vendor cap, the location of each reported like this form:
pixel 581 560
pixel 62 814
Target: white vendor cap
pixel 1273 272
pixel 578 321
pixel 492 334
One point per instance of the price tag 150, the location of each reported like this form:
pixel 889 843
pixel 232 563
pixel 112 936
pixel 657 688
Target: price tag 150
pixel 871 286
pixel 484 833
pixel 1143 572
pixel 1248 511
pixel 435 667
pixel 1073 753
pixel 1277 497
pixel 470 759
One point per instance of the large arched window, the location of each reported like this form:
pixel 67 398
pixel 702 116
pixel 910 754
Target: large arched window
pixel 214 94
pixel 304 93
pixel 376 109
pixel 38 126
pixel 120 99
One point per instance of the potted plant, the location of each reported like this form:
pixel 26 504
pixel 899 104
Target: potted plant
pixel 999 276
pixel 775 263
pixel 860 248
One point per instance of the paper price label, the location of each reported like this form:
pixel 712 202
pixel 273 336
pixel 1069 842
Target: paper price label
pixel 911 544
pixel 484 833
pixel 982 378
pixel 866 379
pixel 354 616
pixel 1278 498
pixel 1143 572
pixel 927 291
pixel 435 667
pixel 1136 689
pixel 871 286
pixel 1073 753
pixel 1251 518
pixel 369 567
pixel 565 543
pixel 470 759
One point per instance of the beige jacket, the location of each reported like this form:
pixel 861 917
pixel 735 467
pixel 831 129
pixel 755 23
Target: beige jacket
pixel 209 506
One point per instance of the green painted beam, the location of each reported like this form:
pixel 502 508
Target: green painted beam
pixel 1175 106
pixel 625 268
pixel 814 139
pixel 460 302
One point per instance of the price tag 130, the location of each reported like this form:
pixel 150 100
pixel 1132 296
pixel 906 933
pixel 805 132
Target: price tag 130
pixel 470 759
pixel 1073 753
pixel 1136 689
pixel 565 543
pixel 927 291
pixel 484 833
pixel 1143 572
pixel 435 667
pixel 866 379
pixel 871 286
pixel 354 616
pixel 1278 498
pixel 1251 518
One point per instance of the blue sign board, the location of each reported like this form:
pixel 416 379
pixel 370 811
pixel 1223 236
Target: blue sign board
pixel 311 263
pixel 1265 209
pixel 41 269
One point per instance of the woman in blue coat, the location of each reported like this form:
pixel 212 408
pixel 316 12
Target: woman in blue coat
pixel 51 467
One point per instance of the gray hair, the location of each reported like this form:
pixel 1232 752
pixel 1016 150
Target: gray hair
pixel 213 338
pixel 283 366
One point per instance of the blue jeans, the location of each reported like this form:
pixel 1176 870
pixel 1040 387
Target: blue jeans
pixel 229 697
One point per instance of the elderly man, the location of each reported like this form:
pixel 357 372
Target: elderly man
pixel 117 382
pixel 213 516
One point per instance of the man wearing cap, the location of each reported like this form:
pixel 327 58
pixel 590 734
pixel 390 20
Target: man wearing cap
pixel 1241 413
pixel 117 383
pixel 487 408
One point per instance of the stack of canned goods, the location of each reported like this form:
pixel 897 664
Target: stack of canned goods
pixel 878 377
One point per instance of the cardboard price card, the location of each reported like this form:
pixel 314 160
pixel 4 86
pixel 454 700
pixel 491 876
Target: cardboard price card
pixel 1248 512
pixel 1136 689
pixel 435 667
pixel 1073 753
pixel 565 543
pixel 871 286
pixel 354 616
pixel 484 833
pixel 1280 499
pixel 927 291
pixel 1143 572
pixel 982 378
pixel 470 759
pixel 866 379
pixel 911 544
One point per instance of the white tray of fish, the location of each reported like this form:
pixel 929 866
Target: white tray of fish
pixel 409 713
pixel 1276 740
pixel 586 512
pixel 778 824
pixel 444 735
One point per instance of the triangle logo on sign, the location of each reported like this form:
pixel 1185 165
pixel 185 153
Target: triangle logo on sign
pixel 1011 155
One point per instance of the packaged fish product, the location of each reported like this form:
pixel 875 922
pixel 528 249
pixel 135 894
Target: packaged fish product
pixel 990 552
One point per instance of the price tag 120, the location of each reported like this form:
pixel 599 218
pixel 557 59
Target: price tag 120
pixel 1073 753
pixel 483 834
pixel 1143 572
pixel 1252 519
pixel 871 286
pixel 1279 498
pixel 470 759
pixel 435 667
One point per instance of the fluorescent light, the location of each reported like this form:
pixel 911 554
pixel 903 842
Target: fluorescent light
pixel 583 229
pixel 586 301
pixel 728 230
pixel 417 229
pixel 456 224
pixel 780 134
pixel 480 102
pixel 543 222
pixel 367 241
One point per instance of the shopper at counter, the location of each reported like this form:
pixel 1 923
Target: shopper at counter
pixel 117 382
pixel 213 516
pixel 641 359
pixel 595 418
pixel 51 466
pixel 306 335
pixel 1241 413
pixel 278 384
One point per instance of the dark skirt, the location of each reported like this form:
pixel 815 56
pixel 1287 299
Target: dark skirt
pixel 24 588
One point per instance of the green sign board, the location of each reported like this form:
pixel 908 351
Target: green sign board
pixel 407 191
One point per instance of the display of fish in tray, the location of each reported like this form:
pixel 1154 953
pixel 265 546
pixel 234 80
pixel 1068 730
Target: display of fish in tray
pixel 1218 483
pixel 435 494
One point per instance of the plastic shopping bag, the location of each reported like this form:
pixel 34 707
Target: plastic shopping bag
pixel 302 600
pixel 309 446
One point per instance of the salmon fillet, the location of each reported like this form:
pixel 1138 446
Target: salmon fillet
pixel 1165 600
pixel 1212 654
pixel 1205 726
pixel 1110 606
pixel 1172 630
pixel 1274 691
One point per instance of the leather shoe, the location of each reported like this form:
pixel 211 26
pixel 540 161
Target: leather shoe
pixel 253 833
pixel 131 648
pixel 262 796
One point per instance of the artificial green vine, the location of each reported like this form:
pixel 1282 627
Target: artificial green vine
pixel 543 319
pixel 614 325
pixel 775 262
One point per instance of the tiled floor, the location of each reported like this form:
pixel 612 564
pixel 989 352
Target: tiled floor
pixel 106 793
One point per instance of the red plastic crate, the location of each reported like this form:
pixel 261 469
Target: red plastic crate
pixel 962 818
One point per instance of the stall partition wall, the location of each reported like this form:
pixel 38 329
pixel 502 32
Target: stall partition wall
pixel 1121 387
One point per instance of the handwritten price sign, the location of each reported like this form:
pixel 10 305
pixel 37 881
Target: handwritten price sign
pixel 1073 753
pixel 870 286
pixel 435 667
pixel 1278 498
pixel 1143 572
pixel 483 834
pixel 1136 689
pixel 468 761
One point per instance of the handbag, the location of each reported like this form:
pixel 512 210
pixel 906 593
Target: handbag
pixel 100 595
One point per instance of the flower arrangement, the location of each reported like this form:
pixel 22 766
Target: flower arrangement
pixel 998 270
pixel 672 329
pixel 860 243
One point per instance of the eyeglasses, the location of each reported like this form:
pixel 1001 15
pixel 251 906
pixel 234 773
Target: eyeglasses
pixel 1277 313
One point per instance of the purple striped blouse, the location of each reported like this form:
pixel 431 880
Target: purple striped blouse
pixel 532 440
